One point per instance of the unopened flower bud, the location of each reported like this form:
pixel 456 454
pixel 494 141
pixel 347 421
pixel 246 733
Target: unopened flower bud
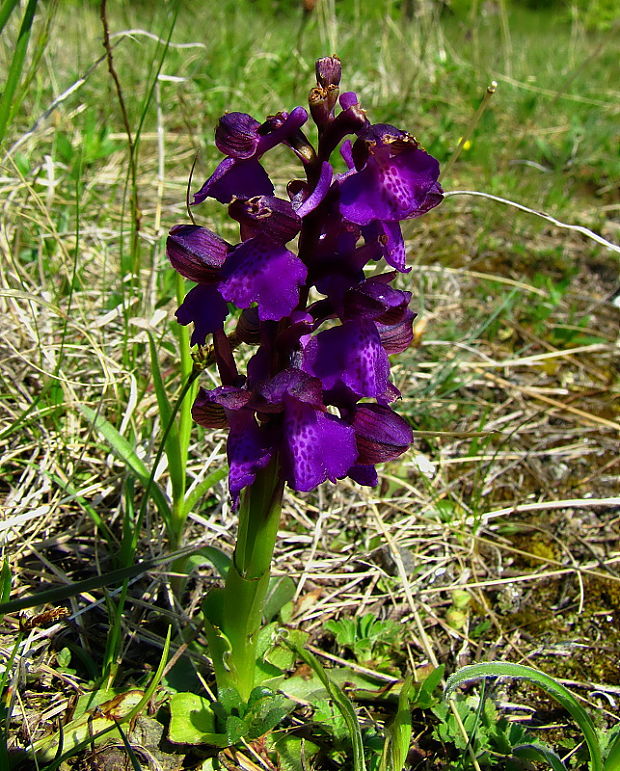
pixel 328 71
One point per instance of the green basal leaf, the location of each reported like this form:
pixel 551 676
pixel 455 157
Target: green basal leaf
pixel 265 711
pixel 294 753
pixel 193 721
pixel 236 729
pixel 547 683
pixel 103 715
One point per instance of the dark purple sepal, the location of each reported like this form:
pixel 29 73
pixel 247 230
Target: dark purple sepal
pixel 237 135
pixel 235 178
pixel 263 272
pixel 208 413
pixel 316 446
pixel 196 253
pixel 351 355
pixel 381 434
pixel 205 307
pixel 375 299
pixel 396 338
pixel 248 326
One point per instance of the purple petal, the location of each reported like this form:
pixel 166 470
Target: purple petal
pixel 295 384
pixel 237 135
pixel 281 130
pixel 346 150
pixel 235 179
pixel 351 355
pixel 348 99
pixel 205 307
pixel 266 214
pixel 316 446
pixel 262 271
pixel 196 252
pixel 320 191
pixel 381 434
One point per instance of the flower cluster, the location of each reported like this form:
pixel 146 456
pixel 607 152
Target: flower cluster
pixel 317 390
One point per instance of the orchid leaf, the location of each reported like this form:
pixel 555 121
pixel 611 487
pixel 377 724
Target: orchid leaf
pixel 540 752
pixel 547 683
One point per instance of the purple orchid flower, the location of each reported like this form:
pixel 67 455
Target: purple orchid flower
pixel 317 391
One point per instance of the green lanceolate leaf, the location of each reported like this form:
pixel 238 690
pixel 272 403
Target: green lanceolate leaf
pixel 17 62
pixel 125 452
pixel 547 683
pixel 612 759
pixel 281 590
pixel 540 752
pixel 398 733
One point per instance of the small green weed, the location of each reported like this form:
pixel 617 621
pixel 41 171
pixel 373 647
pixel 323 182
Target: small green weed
pixel 369 639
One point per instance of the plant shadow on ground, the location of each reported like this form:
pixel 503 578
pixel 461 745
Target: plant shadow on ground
pixel 498 531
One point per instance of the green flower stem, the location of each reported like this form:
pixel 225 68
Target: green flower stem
pixel 233 614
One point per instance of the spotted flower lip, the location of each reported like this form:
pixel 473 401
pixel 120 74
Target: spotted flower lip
pixel 298 287
pixel 395 179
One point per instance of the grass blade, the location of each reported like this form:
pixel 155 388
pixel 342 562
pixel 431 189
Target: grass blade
pixel 6 10
pixel 197 493
pixel 123 450
pixel 17 64
pixel 547 683
pixel 342 703
pixel 176 462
